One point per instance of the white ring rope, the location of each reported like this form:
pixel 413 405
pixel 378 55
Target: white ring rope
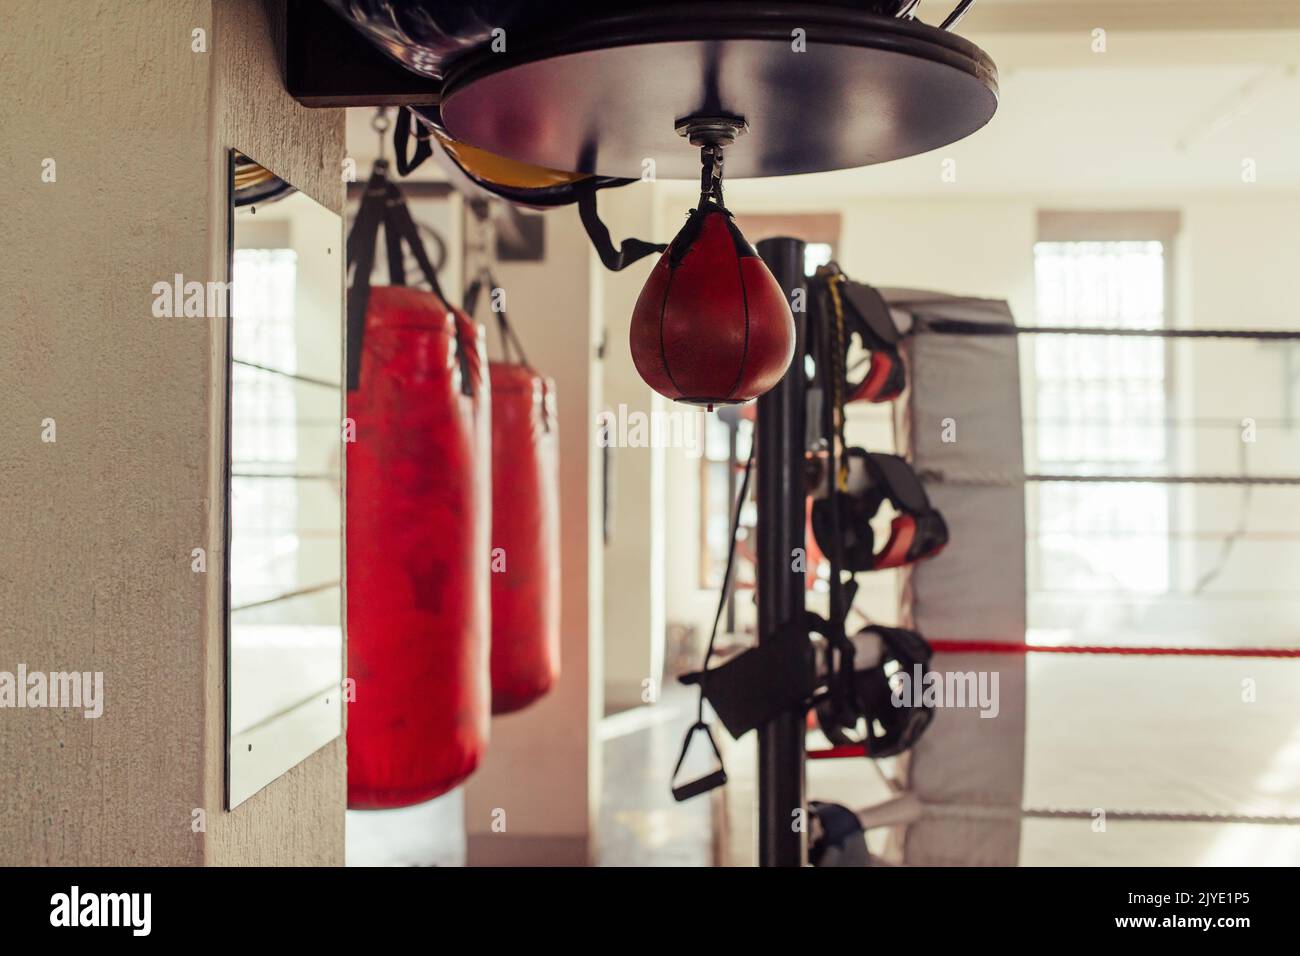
pixel 965 811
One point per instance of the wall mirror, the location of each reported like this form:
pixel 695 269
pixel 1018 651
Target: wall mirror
pixel 284 505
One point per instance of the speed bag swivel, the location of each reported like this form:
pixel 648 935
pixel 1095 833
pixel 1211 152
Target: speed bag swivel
pixel 418 532
pixel 712 326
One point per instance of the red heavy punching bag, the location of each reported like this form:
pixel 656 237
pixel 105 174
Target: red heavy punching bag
pixel 712 326
pixel 525 524
pixel 418 472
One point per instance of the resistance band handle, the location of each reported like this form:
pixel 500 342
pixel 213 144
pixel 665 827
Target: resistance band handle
pixel 696 787
pixel 710 781
pixel 615 260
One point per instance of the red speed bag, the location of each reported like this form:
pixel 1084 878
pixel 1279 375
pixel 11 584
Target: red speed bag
pixel 418 532
pixel 712 326
pixel 525 537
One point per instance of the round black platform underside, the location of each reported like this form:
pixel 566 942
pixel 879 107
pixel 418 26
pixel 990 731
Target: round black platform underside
pixel 605 95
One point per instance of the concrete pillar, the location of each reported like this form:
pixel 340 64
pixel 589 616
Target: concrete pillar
pixel 634 554
pixel 137 111
pixel 534 799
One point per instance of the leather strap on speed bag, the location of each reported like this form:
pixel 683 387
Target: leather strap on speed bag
pixel 478 171
pixel 418 516
pixel 525 580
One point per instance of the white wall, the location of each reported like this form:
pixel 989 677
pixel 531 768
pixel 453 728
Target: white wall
pixel 634 556
pixel 98 527
pixel 541 773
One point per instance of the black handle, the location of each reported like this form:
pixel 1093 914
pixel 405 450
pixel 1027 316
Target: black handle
pixel 710 781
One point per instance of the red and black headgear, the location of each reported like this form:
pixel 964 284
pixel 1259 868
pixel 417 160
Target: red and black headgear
pixel 918 531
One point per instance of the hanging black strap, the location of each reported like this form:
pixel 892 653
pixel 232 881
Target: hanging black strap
pixel 361 260
pixel 398 222
pixel 382 204
pixel 509 341
pixel 718 777
pixel 402 140
pixel 615 260
pixel 393 243
pixel 839 708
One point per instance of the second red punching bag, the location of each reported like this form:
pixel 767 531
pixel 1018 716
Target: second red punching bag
pixel 525 524
pixel 418 524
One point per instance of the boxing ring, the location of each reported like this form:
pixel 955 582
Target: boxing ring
pixel 1133 727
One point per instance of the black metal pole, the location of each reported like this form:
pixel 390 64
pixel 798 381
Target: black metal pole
pixel 780 492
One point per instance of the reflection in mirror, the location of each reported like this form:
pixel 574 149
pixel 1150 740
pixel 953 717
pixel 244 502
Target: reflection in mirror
pixel 284 510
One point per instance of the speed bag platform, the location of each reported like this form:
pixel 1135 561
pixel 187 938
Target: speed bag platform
pixel 525 537
pixel 418 534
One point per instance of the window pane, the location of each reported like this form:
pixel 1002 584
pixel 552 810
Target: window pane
pixel 1099 408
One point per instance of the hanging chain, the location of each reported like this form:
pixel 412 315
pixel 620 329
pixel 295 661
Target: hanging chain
pixel 711 174
pixel 838 373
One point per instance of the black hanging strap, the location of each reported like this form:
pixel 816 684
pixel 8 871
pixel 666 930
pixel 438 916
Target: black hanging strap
pixel 509 341
pixel 382 204
pixel 710 781
pixel 402 140
pixel 841 707
pixel 398 220
pixel 393 242
pixel 718 777
pixel 361 258
pixel 615 260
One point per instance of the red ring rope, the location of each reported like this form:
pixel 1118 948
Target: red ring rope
pixel 1011 647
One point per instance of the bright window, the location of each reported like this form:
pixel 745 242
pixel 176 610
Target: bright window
pixel 264 502
pixel 1099 407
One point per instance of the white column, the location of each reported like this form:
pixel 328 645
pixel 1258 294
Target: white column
pixel 534 798
pixel 634 555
